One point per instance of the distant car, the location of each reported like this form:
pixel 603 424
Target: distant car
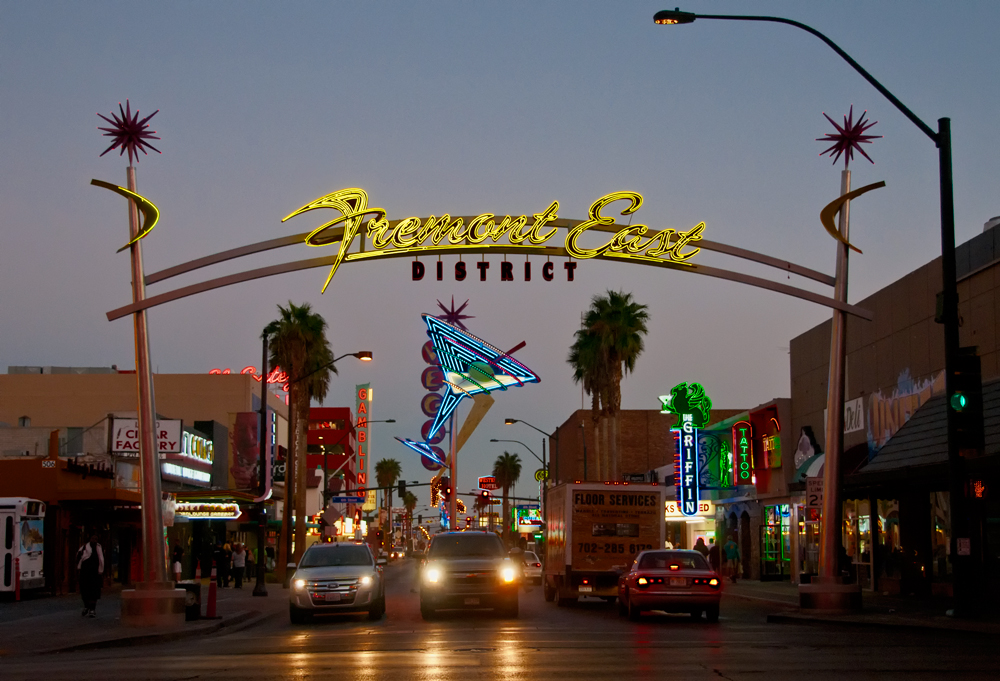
pixel 468 570
pixel 397 553
pixel 339 577
pixel 671 581
pixel 532 567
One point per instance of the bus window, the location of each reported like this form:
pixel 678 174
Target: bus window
pixel 8 532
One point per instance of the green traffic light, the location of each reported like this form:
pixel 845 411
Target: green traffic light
pixel 958 401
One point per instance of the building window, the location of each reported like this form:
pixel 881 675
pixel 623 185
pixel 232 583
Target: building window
pixel 24 421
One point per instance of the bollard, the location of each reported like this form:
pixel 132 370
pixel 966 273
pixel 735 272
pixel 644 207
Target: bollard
pixel 17 579
pixel 210 608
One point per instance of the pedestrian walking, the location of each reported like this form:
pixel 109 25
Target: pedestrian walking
pixel 732 551
pixel 700 547
pixel 219 557
pixel 176 562
pixel 90 563
pixel 239 565
pixel 251 565
pixel 715 557
pixel 227 564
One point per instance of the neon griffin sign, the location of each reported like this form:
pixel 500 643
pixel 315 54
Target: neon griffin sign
pixel 414 235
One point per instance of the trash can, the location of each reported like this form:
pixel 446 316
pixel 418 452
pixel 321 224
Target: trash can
pixel 192 600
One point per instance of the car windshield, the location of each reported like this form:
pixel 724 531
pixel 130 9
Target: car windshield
pixel 662 560
pixel 530 557
pixel 466 546
pixel 332 556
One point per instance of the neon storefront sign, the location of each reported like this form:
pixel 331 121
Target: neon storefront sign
pixel 275 377
pixel 743 453
pixel 208 511
pixel 692 406
pixel 198 448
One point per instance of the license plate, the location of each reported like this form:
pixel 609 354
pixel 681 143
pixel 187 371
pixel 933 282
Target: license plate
pixel 329 598
pixel 472 601
pixel 678 581
pixel 586 589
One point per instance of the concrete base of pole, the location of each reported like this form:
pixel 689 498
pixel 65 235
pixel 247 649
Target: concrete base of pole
pixel 831 596
pixel 153 604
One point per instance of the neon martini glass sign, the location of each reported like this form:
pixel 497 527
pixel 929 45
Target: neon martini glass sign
pixel 471 366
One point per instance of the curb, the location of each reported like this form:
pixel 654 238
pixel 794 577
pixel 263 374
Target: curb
pixel 795 618
pixel 164 637
pixel 785 603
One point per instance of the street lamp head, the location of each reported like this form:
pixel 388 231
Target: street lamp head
pixel 494 440
pixel 390 420
pixel 674 16
pixel 509 422
pixel 364 355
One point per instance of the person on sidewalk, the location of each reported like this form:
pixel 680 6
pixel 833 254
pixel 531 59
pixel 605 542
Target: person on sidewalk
pixel 732 551
pixel 251 564
pixel 219 557
pixel 90 563
pixel 176 561
pixel 700 547
pixel 239 565
pixel 226 567
pixel 715 557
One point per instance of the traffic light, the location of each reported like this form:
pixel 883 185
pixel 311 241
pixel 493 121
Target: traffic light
pixel 420 519
pixel 485 496
pixel 446 489
pixel 401 488
pixel 966 401
pixel 468 522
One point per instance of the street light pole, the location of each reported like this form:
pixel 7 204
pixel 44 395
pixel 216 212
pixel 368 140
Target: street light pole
pixel 260 565
pixel 965 604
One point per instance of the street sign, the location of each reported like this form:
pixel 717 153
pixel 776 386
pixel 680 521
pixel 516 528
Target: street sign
pixel 814 492
pixel 527 507
pixel 346 500
pixel 634 477
pixel 488 482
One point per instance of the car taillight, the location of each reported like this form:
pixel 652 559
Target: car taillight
pixel 538 565
pixel 642 582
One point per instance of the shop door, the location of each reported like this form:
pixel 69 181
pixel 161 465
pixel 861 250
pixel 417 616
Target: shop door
pixel 7 551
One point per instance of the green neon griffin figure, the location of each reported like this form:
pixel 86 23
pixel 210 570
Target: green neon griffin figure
pixel 687 398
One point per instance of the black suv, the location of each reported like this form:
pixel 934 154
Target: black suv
pixel 468 570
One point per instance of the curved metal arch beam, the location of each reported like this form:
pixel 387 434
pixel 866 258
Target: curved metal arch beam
pixel 326 261
pixel 280 242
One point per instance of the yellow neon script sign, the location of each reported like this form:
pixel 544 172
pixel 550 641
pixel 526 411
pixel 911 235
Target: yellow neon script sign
pixel 418 235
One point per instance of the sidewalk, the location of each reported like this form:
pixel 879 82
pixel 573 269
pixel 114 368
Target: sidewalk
pixel 887 612
pixel 50 624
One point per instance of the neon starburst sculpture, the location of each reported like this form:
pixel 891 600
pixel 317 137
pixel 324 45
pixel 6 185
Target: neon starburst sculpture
pixel 453 316
pixel 129 133
pixel 849 136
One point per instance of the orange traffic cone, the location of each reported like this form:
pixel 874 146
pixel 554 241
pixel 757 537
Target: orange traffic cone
pixel 197 571
pixel 210 609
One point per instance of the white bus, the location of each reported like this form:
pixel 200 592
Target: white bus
pixel 22 539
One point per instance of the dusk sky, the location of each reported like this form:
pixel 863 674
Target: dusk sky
pixel 466 108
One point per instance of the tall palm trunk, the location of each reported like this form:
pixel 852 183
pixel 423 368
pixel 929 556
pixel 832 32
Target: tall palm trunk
pixel 301 445
pixel 506 517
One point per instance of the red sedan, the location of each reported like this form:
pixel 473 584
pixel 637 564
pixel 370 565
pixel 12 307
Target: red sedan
pixel 671 581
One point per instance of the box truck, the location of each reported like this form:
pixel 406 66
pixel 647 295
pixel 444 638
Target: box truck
pixel 594 532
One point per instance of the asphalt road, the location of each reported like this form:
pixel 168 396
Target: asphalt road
pixel 588 641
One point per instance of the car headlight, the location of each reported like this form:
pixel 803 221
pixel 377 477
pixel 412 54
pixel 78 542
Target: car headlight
pixel 366 580
pixel 432 575
pixel 508 574
pixel 300 584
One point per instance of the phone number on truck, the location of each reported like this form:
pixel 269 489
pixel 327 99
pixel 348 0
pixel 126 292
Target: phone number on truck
pixel 611 547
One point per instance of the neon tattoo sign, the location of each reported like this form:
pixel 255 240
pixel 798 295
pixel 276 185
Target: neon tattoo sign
pixel 743 453
pixel 507 234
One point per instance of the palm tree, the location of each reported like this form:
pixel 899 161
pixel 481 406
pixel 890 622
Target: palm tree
pixel 409 503
pixel 507 470
pixel 298 344
pixel 590 369
pixel 619 324
pixel 387 472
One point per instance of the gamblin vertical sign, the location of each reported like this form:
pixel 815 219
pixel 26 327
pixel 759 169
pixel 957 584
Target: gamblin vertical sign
pixel 692 407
